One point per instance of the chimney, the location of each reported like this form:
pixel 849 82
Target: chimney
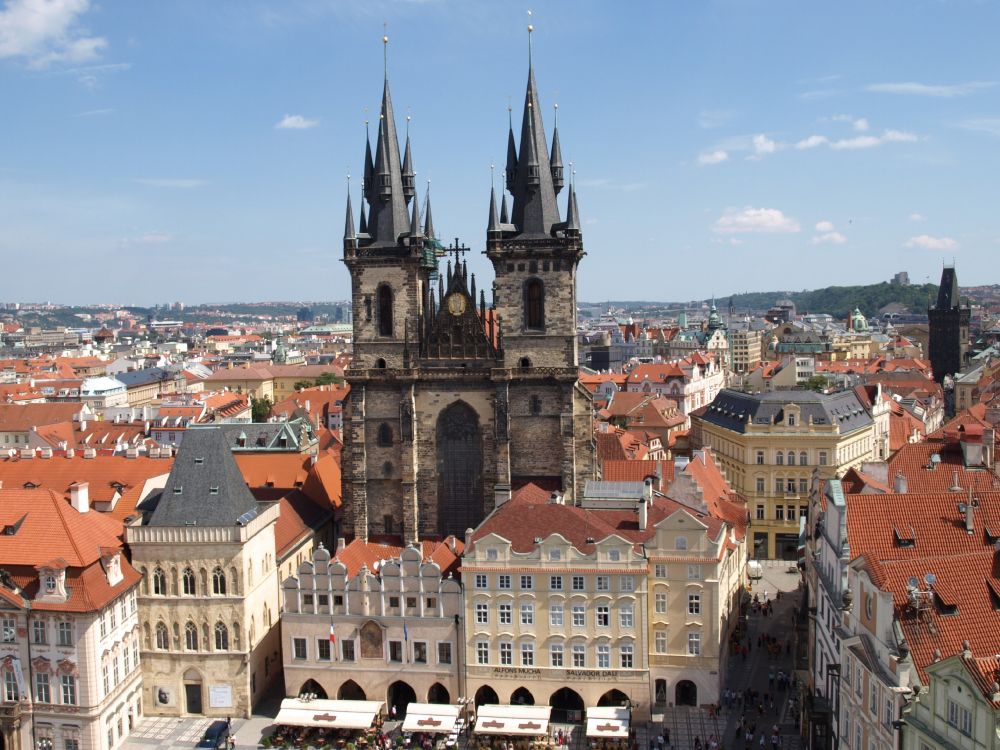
pixel 83 425
pixel 955 486
pixel 899 484
pixel 70 452
pixel 453 544
pixel 989 445
pixel 341 544
pixel 90 452
pixel 647 489
pixel 132 453
pixel 643 512
pixel 27 453
pixel 45 452
pixel 80 496
pixel 969 523
pixel 308 404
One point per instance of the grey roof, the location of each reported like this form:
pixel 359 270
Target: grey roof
pixel 572 211
pixel 148 375
pixel 428 221
pixel 535 209
pixel 733 410
pixel 494 220
pixel 387 218
pixel 948 296
pixel 205 486
pixel 618 490
pixel 408 174
pixel 415 219
pixel 556 160
pixel 349 233
pixel 249 436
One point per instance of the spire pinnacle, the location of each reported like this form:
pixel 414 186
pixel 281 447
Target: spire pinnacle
pixel 415 221
pixel 504 218
pixel 409 191
pixel 349 233
pixel 530 30
pixel 555 161
pixel 572 212
pixel 428 221
pixel 494 223
pixel 387 201
pixel 385 50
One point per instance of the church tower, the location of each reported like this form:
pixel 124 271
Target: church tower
pixel 454 405
pixel 949 328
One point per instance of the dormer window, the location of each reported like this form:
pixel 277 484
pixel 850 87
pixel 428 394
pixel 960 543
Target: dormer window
pixel 50 584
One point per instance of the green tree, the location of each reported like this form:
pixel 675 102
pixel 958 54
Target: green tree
pixel 817 383
pixel 260 408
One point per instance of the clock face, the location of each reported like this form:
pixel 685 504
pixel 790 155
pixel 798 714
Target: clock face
pixel 456 304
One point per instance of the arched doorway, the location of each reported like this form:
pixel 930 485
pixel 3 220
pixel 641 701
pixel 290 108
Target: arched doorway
pixel 399 696
pixel 567 706
pixel 523 697
pixel 438 693
pixel 351 691
pixel 460 470
pixel 660 691
pixel 192 692
pixel 313 688
pixel 613 698
pixel 686 693
pixel 486 696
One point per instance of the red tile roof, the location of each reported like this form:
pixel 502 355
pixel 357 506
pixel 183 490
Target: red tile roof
pixel 359 553
pixel 22 417
pixel 102 473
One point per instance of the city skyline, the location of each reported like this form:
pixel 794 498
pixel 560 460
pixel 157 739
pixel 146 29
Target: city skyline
pixel 208 148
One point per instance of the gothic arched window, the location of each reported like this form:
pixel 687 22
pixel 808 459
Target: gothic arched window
pixel 187 577
pixel 384 302
pixel 191 637
pixel 384 434
pixel 218 581
pixel 221 637
pixel 534 305
pixel 159 582
pixel 162 636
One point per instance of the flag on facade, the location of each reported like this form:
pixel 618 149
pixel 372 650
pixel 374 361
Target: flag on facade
pixel 333 634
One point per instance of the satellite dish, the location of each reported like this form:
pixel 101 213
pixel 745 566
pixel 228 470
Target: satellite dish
pixel 912 583
pixel 930 579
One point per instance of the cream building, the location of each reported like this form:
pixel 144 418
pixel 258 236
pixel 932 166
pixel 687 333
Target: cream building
pixel 395 616
pixel 768 446
pixel 209 599
pixel 69 633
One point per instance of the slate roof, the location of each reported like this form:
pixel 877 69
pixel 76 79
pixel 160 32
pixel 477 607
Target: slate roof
pixel 205 486
pixel 137 378
pixel 733 410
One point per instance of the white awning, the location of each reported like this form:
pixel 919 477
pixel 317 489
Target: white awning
pixel 432 718
pixel 607 721
pixel 327 713
pixel 530 721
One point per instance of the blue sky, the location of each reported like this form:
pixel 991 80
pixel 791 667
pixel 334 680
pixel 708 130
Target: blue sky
pixel 719 146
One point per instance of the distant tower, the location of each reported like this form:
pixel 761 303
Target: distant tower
pixel 949 328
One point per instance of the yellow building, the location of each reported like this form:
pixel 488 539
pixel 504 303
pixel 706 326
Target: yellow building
pixel 769 444
pixel 257 382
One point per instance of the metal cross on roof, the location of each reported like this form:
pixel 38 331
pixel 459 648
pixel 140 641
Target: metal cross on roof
pixel 458 249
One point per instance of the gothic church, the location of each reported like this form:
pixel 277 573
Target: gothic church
pixel 455 403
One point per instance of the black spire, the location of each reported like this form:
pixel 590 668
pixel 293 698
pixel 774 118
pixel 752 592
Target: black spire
pixel 494 221
pixel 535 209
pixel 387 218
pixel 415 220
pixel 948 295
pixel 368 182
pixel 572 212
pixel 428 221
pixel 349 234
pixel 511 170
pixel 363 224
pixel 409 191
pixel 556 160
pixel 503 210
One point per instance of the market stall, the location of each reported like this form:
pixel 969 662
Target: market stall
pixel 608 722
pixel 334 722
pixel 431 718
pixel 513 721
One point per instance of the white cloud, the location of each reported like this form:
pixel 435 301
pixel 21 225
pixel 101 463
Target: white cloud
pixel 829 238
pixel 94 112
pixel 988 125
pixel 812 142
pixel 755 220
pixel 860 124
pixel 947 91
pixel 917 216
pixel 171 182
pixel 295 122
pixel 824 226
pixel 714 118
pixel 928 242
pixel 713 157
pixel 763 146
pixel 147 238
pixel 43 32
pixel 871 141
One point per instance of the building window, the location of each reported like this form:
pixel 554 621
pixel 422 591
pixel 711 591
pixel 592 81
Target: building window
pixel 660 603
pixel 603 616
pixel 64 633
pixel 527 583
pixel 393 602
pixel 779 512
pixel 694 604
pixel 603 583
pixel 822 458
pixel 791 456
pixel 396 651
pixel 159 582
pixel 505 613
pixel 527 614
pixel 68 690
pixel 419 652
pixel 218 581
pixel 480 580
pixel 660 641
pixel 578 584
pixel 556 655
pixel 626 657
pixel 191 637
pixel 503 581
pixel 873 697
pixel 444 652
pixel 614 555
pixel 70 742
pixel 579 656
pixel 162 637
pixel 579 616
pixel 506 653
pixel 790 486
pixel 604 656
pixel 527 654
pixel 384 435
pixel 626 583
pixel 555 583
pixel 779 485
pixel 694 572
pixel 803 458
pixel 38 631
pixel 384 307
pixel 221 637
pixel 694 643
pixel 347 650
pixel 482 652
pixel 534 305
pixel 42 692
pixel 188 581
pixel 626 616
pixel 803 485
pixel 660 570
pixel 10 691
pixel 680 543
pixel 760 512
pixel 760 485
pixel 760 458
pixel 555 555
pixel 556 615
pixel 482 614
pixel 780 459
